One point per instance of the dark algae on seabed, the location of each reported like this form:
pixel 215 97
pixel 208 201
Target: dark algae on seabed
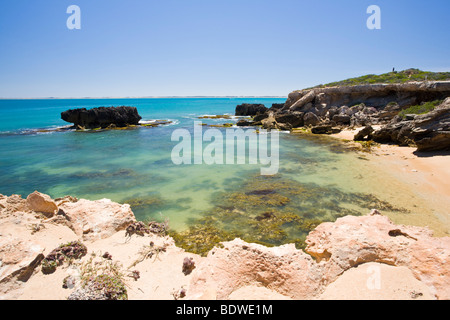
pixel 272 211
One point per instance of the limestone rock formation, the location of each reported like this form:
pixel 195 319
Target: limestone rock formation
pixel 352 241
pixel 364 105
pixel 99 219
pixel 18 259
pixel 375 95
pixel 364 134
pixel 284 269
pixel 429 132
pixel 102 117
pixel 232 270
pixel 333 248
pixel 42 203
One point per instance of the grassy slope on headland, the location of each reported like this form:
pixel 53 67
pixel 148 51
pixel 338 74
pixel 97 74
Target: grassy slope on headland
pixel 391 77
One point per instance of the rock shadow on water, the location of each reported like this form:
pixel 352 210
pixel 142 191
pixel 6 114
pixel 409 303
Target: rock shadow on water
pixel 272 211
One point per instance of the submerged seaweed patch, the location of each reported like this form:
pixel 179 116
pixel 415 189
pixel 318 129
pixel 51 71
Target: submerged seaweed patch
pixel 148 206
pixel 272 210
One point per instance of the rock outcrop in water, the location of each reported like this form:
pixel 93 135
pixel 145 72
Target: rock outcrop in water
pixel 326 110
pixel 102 117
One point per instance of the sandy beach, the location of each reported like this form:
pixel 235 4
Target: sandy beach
pixel 426 174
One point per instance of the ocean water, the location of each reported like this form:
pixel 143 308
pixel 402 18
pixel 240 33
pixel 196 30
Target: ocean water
pixel 317 181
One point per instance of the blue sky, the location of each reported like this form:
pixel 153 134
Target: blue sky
pixel 211 47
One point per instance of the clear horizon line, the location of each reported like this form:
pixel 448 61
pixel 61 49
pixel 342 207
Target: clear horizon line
pixel 137 97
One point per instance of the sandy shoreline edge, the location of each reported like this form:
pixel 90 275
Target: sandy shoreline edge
pixel 426 173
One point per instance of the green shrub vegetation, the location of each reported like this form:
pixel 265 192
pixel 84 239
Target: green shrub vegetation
pixel 392 77
pixel 420 109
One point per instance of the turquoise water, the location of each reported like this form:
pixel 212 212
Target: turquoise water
pixel 120 165
pixel 317 180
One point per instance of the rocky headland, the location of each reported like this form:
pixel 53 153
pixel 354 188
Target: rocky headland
pixel 410 114
pixel 70 248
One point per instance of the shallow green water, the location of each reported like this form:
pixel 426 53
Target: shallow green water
pixel 204 204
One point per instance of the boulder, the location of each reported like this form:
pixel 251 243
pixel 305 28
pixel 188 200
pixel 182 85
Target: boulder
pixel 331 113
pixel 248 109
pixel 260 117
pixel 389 112
pixel 294 119
pixel 325 128
pixel 352 241
pixel 244 123
pixel 361 119
pixel 310 119
pixel 18 259
pixel 13 203
pixel 270 122
pixel 42 203
pixel 364 134
pixel 374 95
pixel 322 129
pixel 332 249
pixel 93 220
pixel 342 119
pixel 277 106
pixel 102 117
pixel 237 264
pixel 429 132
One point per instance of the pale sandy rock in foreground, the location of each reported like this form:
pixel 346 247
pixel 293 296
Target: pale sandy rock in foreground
pixel 412 264
pixel 352 241
pixel 13 204
pixel 285 270
pixel 99 219
pixel 253 292
pixel 18 260
pixel 42 203
pixel 377 281
pixel 336 247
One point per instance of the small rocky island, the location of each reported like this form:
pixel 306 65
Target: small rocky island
pixel 102 117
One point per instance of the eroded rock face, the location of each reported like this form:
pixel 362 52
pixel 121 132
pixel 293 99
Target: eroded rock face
pixel 366 105
pixel 236 267
pixel 352 241
pixel 284 269
pixel 13 204
pixel 18 260
pixel 294 119
pixel 375 95
pixel 99 219
pixel 42 203
pixel 429 132
pixel 332 249
pixel 102 117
